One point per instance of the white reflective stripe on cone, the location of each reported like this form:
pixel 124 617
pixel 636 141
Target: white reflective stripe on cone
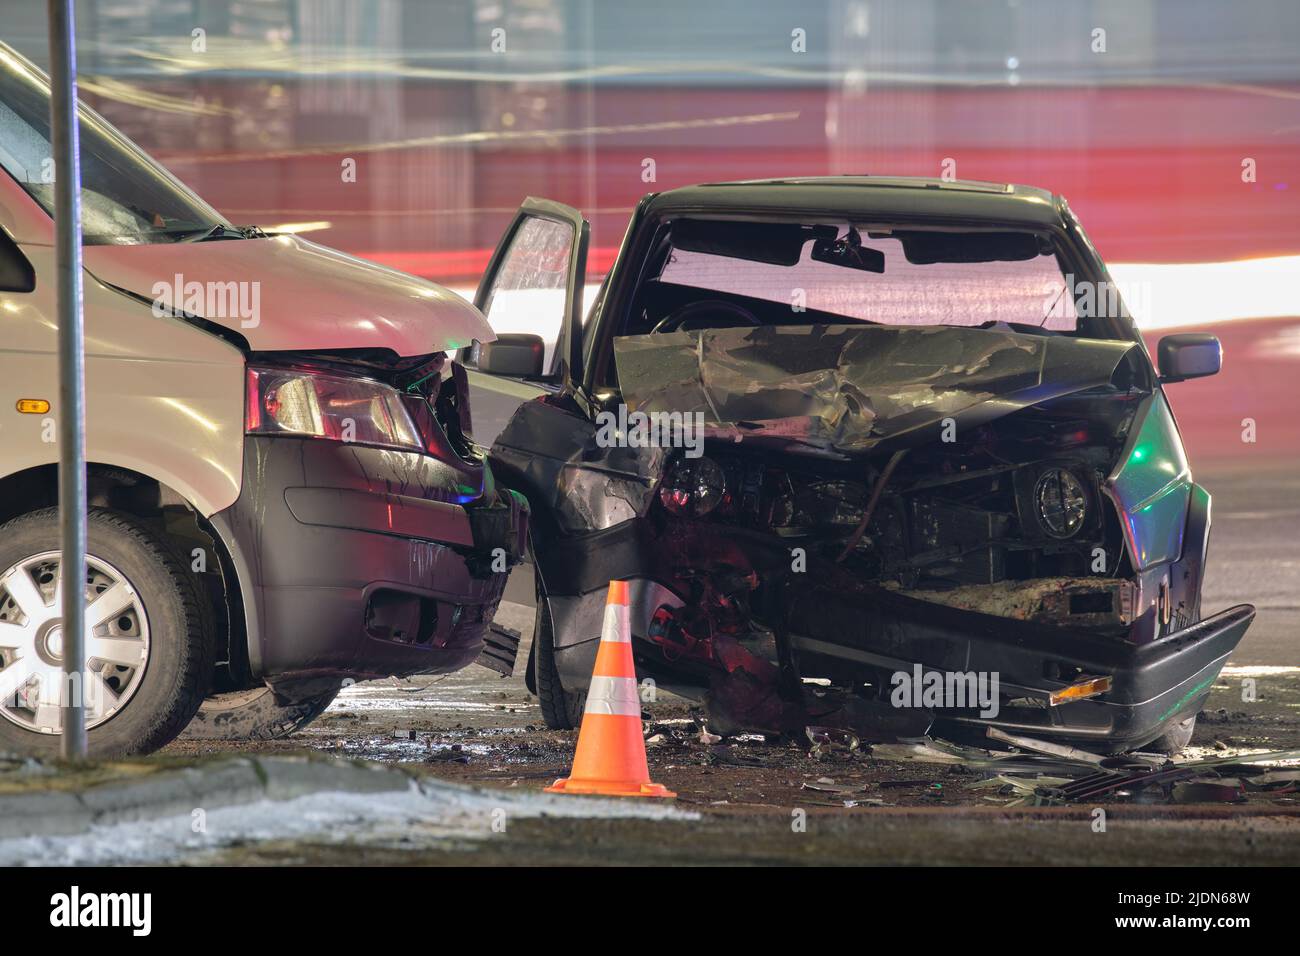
pixel 617 628
pixel 614 697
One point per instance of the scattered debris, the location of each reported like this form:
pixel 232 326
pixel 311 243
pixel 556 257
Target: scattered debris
pixel 827 785
pixel 830 741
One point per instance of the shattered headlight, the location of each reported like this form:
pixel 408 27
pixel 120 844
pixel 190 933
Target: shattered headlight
pixel 1060 503
pixel 693 487
pixel 312 404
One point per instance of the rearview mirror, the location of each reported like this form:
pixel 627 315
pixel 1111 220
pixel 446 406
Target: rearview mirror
pixel 513 354
pixel 849 252
pixel 1188 355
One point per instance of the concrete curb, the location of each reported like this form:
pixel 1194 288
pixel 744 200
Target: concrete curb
pixel 222 782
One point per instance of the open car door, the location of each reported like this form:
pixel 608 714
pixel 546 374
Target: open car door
pixel 534 283
pixel 531 295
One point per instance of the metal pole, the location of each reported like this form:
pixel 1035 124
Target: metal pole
pixel 72 409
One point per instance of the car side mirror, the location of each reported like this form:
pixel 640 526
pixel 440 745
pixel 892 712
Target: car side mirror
pixel 1188 355
pixel 512 354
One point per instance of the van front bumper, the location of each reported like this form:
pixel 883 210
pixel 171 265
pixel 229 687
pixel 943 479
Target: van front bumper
pixel 365 562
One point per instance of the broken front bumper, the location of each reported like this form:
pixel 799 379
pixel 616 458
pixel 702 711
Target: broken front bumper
pixel 364 562
pixel 1152 685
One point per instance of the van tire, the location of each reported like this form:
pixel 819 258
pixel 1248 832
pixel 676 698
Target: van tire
pixel 179 667
pixel 255 714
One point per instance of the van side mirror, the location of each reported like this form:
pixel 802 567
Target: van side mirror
pixel 512 354
pixel 1187 355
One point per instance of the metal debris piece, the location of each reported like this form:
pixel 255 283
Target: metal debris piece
pixel 827 785
pixel 1019 786
pixel 1043 747
pixel 1108 781
pixel 500 648
pixel 1274 781
pixel 926 750
pixel 1269 757
pixel 1208 791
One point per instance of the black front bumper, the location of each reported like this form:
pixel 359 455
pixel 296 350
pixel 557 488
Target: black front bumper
pixel 364 562
pixel 1153 684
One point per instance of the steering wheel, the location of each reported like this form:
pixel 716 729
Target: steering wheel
pixel 676 321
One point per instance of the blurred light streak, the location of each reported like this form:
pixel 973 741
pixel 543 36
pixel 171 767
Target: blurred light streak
pixel 132 95
pixel 486 136
pixel 294 228
pixel 1208 293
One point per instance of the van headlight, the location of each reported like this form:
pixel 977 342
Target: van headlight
pixel 310 404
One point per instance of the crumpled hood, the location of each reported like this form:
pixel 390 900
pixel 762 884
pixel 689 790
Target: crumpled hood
pixel 306 296
pixel 843 389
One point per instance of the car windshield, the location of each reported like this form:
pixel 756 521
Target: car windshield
pixel 126 198
pixel 889 278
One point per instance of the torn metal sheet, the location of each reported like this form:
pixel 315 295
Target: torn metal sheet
pixel 843 389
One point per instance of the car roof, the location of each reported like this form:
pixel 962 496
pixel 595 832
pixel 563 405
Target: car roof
pixel 856 197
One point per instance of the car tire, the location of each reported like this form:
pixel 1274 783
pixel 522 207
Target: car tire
pixel 255 714
pixel 1176 737
pixel 165 610
pixel 561 709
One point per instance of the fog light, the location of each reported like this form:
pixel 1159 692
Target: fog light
pixel 1061 502
pixel 693 487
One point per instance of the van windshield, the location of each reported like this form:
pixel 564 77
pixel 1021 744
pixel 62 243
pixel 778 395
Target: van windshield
pixel 126 198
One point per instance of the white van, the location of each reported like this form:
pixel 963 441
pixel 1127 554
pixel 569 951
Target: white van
pixel 282 490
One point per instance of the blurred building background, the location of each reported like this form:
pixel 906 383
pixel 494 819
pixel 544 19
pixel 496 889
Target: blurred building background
pixel 1145 113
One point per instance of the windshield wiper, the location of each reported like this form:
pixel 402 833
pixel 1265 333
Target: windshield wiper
pixel 222 231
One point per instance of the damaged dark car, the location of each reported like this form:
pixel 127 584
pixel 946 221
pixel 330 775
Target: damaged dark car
pixel 838 430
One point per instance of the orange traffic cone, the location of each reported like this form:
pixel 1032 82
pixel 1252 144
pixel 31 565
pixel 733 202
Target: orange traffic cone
pixel 610 759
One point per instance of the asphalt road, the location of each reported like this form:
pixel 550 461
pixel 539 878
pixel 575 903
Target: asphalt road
pixel 1255 555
